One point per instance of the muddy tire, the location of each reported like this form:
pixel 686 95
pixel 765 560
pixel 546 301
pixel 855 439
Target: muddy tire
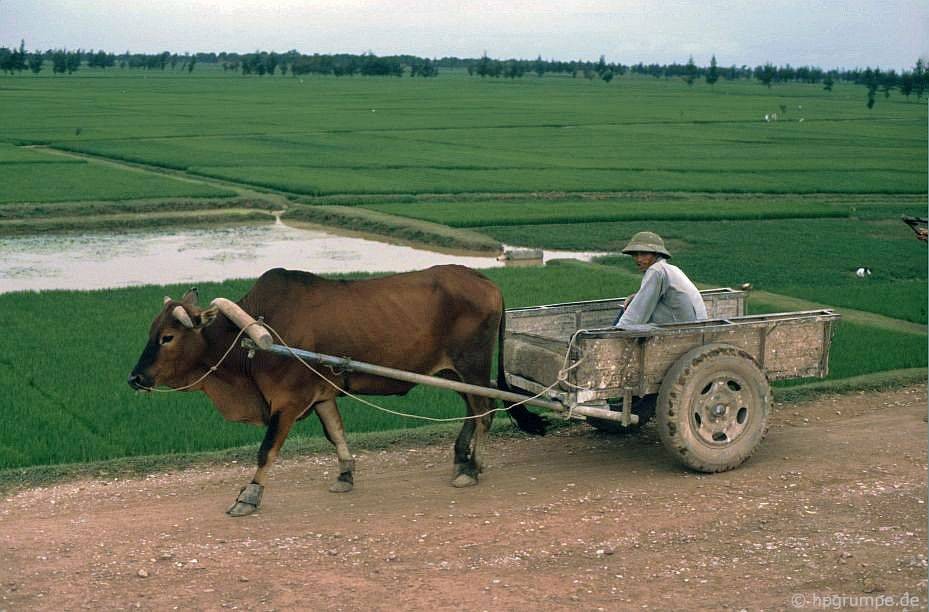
pixel 643 407
pixel 713 408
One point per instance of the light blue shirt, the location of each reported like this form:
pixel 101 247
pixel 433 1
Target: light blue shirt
pixel 665 296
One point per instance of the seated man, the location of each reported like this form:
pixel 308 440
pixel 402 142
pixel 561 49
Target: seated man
pixel 666 294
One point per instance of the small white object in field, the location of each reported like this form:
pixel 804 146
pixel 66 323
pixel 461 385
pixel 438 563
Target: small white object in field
pixel 863 272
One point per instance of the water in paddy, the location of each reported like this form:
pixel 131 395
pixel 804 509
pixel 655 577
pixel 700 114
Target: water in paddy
pixel 102 260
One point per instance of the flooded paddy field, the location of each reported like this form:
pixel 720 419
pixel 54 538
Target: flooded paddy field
pixel 103 260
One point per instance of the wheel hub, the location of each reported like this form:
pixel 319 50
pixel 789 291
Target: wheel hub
pixel 720 412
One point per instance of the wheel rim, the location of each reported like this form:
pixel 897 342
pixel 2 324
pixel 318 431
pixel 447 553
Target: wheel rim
pixel 723 409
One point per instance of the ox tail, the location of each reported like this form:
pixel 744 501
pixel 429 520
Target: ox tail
pixel 525 420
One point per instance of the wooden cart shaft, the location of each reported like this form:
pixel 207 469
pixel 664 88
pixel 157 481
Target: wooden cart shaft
pixel 346 364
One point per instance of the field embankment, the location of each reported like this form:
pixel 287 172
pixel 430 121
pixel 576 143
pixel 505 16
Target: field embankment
pixel 402 228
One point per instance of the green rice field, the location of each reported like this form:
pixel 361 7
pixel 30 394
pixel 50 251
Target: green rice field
pixel 69 402
pixel 813 259
pixel 456 134
pixel 792 206
pixel 706 208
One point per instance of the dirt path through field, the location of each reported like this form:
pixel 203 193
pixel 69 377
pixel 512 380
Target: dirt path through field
pixel 242 190
pixel 832 505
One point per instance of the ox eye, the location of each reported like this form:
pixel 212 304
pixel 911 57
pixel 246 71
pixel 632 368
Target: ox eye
pixel 166 339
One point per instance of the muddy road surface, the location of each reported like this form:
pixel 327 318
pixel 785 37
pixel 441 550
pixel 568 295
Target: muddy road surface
pixel 833 505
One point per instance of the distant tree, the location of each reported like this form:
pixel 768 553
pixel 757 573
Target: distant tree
pixel 539 67
pixel 712 75
pixel 511 69
pixel 607 75
pixel 888 82
pixel 690 72
pixel 786 73
pixel 271 61
pixel 906 84
pixel 871 79
pixel 35 63
pixel 919 78
pixel 766 74
pixel 828 82
pixel 72 61
pixel 59 62
pixel 483 66
pixel 191 63
pixel 100 59
pixel 601 65
pixel 423 68
pixel 13 60
pixel 6 60
pixel 19 58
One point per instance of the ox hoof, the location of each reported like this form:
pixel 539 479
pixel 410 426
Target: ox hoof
pixel 464 480
pixel 340 486
pixel 241 509
pixel 248 500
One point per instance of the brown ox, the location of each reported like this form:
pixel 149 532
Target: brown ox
pixel 441 321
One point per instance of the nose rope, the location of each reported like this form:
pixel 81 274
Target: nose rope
pixel 210 371
pixel 562 378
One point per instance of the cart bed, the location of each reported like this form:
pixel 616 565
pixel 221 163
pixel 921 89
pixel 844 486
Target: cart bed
pixel 608 361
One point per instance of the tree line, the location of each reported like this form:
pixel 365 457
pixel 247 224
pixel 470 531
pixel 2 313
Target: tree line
pixel 264 63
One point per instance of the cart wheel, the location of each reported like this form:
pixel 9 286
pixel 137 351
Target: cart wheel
pixel 643 407
pixel 713 408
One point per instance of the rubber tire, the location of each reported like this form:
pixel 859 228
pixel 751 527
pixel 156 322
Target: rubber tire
pixel 643 407
pixel 681 389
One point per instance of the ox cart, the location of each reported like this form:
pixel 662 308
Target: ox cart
pixel 706 383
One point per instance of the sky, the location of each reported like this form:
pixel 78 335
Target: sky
pixel 824 33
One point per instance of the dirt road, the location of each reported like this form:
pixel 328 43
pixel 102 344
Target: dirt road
pixel 832 505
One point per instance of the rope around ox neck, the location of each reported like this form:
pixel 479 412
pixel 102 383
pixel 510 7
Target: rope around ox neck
pixel 211 370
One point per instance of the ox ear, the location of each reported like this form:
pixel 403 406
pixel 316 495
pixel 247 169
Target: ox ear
pixel 206 317
pixel 191 298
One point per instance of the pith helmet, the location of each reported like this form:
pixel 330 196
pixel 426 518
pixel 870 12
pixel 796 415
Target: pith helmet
pixel 647 242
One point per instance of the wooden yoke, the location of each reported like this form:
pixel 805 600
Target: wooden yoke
pixel 245 321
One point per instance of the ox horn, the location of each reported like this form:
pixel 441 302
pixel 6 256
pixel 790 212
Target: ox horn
pixel 181 315
pixel 245 321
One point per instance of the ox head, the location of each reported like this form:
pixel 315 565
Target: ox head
pixel 176 346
